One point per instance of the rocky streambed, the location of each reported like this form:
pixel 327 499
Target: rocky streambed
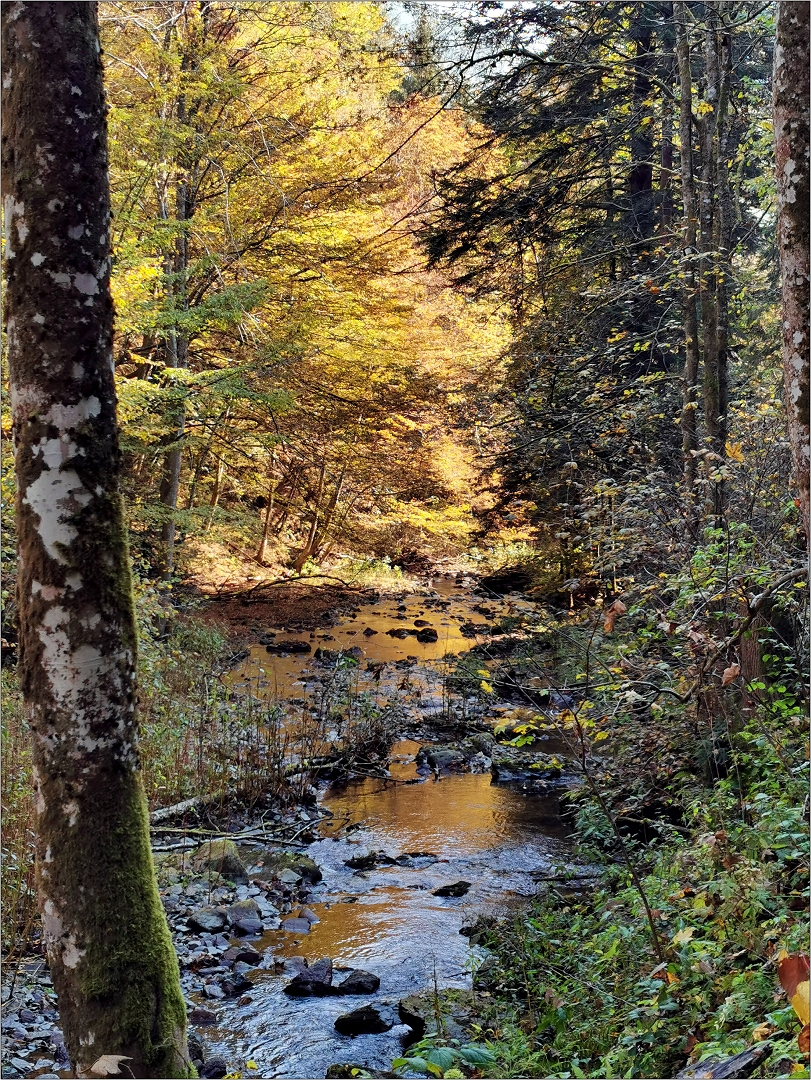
pixel 295 961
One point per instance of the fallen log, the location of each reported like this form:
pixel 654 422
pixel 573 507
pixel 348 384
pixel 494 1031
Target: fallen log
pixel 168 812
pixel 741 1065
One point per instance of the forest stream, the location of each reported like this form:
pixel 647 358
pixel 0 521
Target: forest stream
pixel 386 920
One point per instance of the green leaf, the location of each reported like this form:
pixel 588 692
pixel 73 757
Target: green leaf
pixel 442 1056
pixel 476 1055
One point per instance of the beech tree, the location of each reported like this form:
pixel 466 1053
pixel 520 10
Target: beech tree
pixel 108 945
pixel 791 121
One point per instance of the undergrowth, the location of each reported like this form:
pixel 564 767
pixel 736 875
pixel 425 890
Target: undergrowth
pixel 577 989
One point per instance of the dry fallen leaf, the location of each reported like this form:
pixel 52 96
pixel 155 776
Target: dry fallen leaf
pixel 804 1040
pixel 617 608
pixel 730 674
pixel 108 1065
pixel 793 972
pixel 762 1031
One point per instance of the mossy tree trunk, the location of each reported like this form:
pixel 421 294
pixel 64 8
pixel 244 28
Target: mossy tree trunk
pixel 791 124
pixel 108 945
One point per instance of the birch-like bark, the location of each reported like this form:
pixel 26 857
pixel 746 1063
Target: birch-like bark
pixel 791 124
pixel 108 946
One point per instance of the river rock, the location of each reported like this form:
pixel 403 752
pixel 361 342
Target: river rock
pixel 200 1017
pixel 296 926
pixel 459 888
pixel 208 920
pixel 309 915
pixel 511 764
pixel 398 632
pixel 364 1021
pixel 479 764
pixel 299 864
pixel 242 954
pixel 414 1010
pixel 359 982
pixel 315 980
pixel 427 634
pixel 214 1068
pixel 444 758
pixel 289 647
pixel 242 909
pixel 235 984
pixel 369 632
pixel 220 856
pixel 369 861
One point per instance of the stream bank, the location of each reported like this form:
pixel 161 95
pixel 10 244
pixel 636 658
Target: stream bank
pixel 403 850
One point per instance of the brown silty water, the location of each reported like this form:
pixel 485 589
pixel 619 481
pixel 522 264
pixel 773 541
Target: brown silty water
pixel 386 920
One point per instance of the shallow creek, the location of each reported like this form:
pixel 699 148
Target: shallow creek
pixel 386 920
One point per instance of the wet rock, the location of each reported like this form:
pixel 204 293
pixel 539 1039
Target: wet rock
pixel 214 991
pixel 209 920
pixel 235 984
pixel 289 647
pixel 359 982
pixel 242 954
pixel 289 877
pixel 459 888
pixel 248 927
pixel 369 861
pixel 421 622
pixel 302 865
pixel 309 915
pixel 222 857
pixel 195 1045
pixel 398 632
pixel 444 758
pixel 471 630
pixel 293 965
pixel 426 635
pixel 315 980
pixel 513 764
pixel 267 638
pixel 479 764
pixel 200 1017
pixel 214 1068
pixel 296 926
pixel 369 632
pixel 364 1021
pixel 242 909
pixel 414 1010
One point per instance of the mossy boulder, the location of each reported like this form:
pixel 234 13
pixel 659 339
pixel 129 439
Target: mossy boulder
pixel 300 864
pixel 222 857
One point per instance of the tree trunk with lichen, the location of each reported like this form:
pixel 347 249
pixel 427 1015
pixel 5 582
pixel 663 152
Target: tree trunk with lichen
pixel 108 945
pixel 791 124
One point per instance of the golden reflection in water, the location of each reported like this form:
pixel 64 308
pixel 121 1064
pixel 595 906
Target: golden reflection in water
pixel 459 815
pixel 277 678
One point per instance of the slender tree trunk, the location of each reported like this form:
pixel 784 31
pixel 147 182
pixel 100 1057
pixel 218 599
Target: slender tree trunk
pixel 108 945
pixel 791 123
pixel 268 511
pixel 689 418
pixel 715 269
pixel 215 495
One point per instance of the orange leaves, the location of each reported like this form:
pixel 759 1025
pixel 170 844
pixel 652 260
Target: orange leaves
pixel 793 972
pixel 611 613
pixel 730 674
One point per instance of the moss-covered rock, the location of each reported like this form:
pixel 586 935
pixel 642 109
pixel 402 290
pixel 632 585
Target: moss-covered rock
pixel 219 856
pixel 303 865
